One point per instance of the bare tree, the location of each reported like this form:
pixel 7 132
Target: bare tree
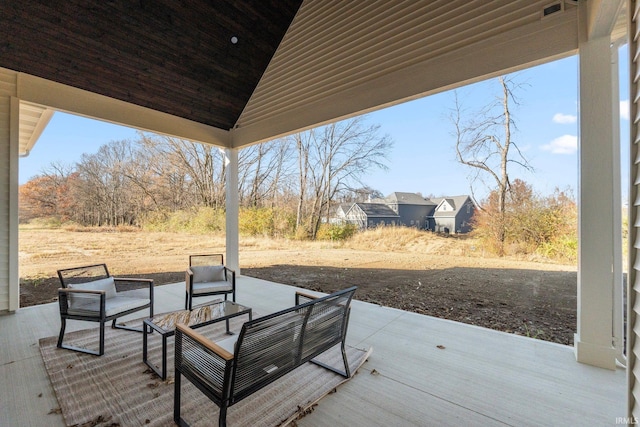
pixel 484 139
pixel 200 167
pixel 484 143
pixel 261 168
pixel 334 158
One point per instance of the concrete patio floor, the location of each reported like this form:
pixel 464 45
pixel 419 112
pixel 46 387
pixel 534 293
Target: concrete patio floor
pixel 423 371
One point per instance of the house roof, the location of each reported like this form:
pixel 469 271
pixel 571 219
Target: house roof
pixel 455 202
pixel 246 71
pixel 343 207
pixel 376 210
pixel 406 199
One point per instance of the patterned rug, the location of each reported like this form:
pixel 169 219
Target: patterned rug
pixel 118 389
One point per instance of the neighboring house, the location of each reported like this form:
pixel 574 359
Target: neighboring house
pixel 340 214
pixel 412 208
pixel 451 215
pixel 442 214
pixel 371 215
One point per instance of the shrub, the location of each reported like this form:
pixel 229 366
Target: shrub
pixel 208 220
pixel 336 231
pixel 256 221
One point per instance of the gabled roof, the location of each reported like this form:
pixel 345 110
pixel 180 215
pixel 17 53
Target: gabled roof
pixel 343 207
pixel 455 203
pixel 406 199
pixel 376 210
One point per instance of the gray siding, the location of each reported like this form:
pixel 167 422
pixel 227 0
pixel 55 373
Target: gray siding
pixel 414 215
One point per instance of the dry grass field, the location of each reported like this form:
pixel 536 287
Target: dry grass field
pixel 447 277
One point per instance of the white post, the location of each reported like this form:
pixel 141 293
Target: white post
pixel 14 159
pixel 9 123
pixel 596 201
pixel 618 274
pixel 232 210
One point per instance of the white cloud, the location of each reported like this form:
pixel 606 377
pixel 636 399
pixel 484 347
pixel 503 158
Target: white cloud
pixel 565 144
pixel 564 118
pixel 624 109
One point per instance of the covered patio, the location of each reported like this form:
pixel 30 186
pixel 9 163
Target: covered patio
pixel 480 378
pixel 243 72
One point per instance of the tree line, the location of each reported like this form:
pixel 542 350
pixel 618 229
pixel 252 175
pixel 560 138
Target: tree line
pixel 154 177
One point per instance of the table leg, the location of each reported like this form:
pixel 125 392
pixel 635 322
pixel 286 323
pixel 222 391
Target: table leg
pixel 144 342
pixel 164 357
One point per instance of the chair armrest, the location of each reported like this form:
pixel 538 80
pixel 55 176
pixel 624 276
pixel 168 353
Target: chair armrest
pixel 204 342
pixel 132 279
pixel 63 298
pixel 80 291
pixel 230 276
pixel 205 363
pixel 304 296
pixel 188 280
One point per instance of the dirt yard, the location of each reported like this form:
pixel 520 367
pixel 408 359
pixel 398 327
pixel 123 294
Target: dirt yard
pixel 420 272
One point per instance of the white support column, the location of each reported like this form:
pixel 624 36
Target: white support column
pixel 597 198
pixel 14 159
pixel 618 263
pixel 232 210
pixel 9 276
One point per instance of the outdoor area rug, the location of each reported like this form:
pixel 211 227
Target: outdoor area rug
pixel 118 389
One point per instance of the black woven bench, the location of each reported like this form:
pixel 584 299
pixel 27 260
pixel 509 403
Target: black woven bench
pixel 266 348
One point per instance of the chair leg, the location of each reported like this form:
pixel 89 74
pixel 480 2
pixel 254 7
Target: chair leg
pixel 344 359
pixel 186 300
pixel 100 351
pixel 222 420
pixel 63 326
pixel 176 400
pixel 346 373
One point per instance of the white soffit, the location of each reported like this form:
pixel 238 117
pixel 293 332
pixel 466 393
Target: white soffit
pixel 339 59
pixel 33 120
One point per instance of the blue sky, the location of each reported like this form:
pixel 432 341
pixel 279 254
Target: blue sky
pixel 423 157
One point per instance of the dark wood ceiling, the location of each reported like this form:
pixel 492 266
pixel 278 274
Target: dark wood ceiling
pixel 169 55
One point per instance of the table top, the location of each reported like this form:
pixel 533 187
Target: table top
pixel 201 314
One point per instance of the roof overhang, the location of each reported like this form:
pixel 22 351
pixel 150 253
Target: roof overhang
pixel 336 60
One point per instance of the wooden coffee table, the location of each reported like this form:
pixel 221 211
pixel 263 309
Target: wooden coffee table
pixel 165 324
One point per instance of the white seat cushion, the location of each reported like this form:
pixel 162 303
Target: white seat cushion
pixel 115 305
pixel 208 273
pixel 81 299
pixel 207 287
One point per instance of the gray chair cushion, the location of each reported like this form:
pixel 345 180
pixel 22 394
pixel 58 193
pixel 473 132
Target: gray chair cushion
pixel 78 300
pixel 208 273
pixel 115 305
pixel 208 287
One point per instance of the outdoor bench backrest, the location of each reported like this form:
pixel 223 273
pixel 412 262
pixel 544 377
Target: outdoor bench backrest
pixel 271 346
